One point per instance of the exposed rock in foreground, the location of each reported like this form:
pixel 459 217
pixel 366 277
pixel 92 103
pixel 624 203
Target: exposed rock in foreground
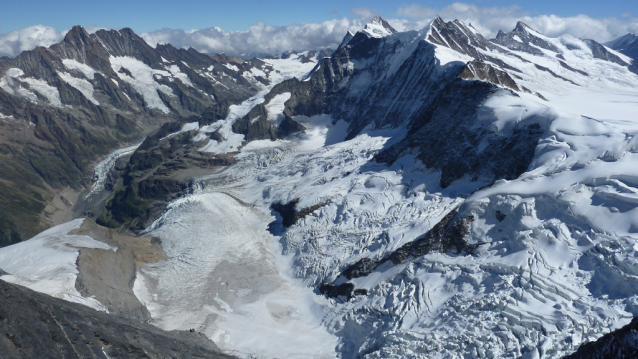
pixel 619 344
pixel 35 325
pixel 108 276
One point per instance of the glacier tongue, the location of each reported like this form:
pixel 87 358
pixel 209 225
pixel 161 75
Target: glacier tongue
pixel 222 279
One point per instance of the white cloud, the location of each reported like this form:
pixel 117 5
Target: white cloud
pixel 261 38
pixel 13 43
pixel 363 13
pixel 488 20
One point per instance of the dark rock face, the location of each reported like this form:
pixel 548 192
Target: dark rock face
pixel 256 126
pixel 290 214
pixel 520 39
pixel 35 325
pixel 346 39
pixel 479 70
pixel 600 52
pixel 335 291
pixel 619 344
pixel 447 235
pixel 447 127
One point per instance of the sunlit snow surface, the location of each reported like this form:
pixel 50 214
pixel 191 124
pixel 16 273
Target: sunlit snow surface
pixel 280 70
pixel 47 262
pixel 13 80
pixel 143 80
pixel 558 269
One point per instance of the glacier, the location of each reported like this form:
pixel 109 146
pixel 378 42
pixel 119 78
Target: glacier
pixel 547 244
pixel 547 259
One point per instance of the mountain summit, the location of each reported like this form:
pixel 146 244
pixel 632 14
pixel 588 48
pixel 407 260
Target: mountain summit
pixel 378 28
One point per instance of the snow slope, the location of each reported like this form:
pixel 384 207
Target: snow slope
pixel 224 282
pixel 47 262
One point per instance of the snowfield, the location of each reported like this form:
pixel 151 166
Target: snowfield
pixel 46 263
pixel 222 279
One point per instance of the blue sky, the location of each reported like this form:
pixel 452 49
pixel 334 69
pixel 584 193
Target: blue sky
pixel 270 27
pixel 238 15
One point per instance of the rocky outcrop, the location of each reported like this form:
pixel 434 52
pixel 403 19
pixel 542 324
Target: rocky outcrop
pixel 35 325
pixel 449 235
pixel 479 70
pixel 256 126
pixel 290 214
pixel 158 172
pixel 600 52
pixel 619 344
pixel 108 276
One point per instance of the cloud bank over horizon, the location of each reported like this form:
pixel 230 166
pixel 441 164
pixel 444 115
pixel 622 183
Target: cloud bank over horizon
pixel 264 39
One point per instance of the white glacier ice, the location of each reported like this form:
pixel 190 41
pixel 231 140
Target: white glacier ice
pixel 46 263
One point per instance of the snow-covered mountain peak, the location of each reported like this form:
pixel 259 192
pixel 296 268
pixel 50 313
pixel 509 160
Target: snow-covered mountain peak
pixel 378 28
pixel 524 38
pixel 349 35
pixel 521 27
